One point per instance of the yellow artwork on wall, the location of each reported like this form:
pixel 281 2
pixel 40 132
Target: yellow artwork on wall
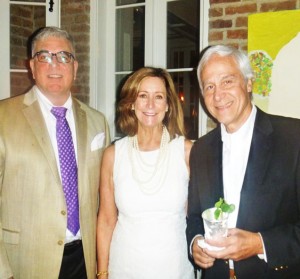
pixel 274 52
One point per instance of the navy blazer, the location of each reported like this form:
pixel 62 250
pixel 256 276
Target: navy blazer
pixel 270 196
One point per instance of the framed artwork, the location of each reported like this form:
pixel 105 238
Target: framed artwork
pixel 274 52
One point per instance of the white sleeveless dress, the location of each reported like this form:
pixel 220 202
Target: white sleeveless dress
pixel 149 238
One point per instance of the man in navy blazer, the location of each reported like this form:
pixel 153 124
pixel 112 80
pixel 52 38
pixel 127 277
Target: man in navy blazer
pixel 251 159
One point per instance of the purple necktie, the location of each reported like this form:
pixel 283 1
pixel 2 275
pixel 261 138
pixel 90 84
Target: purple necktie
pixel 68 167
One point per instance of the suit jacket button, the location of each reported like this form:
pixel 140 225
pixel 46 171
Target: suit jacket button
pixel 60 242
pixel 63 212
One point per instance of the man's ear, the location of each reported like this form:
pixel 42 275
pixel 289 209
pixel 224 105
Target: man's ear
pixel 31 64
pixel 249 86
pixel 75 68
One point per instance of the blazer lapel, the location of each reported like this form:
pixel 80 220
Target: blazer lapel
pixel 35 119
pixel 81 135
pixel 214 168
pixel 258 162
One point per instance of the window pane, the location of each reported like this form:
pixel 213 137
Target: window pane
pixel 128 2
pixel 183 33
pixel 186 85
pixel 20 83
pixel 182 52
pixel 24 20
pixel 130 41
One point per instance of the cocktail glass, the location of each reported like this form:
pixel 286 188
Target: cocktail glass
pixel 214 227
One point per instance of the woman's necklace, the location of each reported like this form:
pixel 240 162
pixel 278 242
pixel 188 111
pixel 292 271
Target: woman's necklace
pixel 150 177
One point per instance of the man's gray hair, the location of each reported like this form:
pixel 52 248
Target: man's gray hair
pixel 240 57
pixel 51 31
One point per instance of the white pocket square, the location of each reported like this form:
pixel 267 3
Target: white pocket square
pixel 98 141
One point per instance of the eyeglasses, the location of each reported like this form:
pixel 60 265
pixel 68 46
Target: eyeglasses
pixel 45 56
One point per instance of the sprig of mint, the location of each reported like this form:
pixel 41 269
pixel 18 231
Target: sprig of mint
pixel 223 206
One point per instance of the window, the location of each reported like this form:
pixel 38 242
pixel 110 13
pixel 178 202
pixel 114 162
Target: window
pixel 19 20
pixel 160 33
pixel 183 33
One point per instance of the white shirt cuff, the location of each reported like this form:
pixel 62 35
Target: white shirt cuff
pixel 264 255
pixel 192 242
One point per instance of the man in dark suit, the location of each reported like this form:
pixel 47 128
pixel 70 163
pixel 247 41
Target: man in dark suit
pixel 252 159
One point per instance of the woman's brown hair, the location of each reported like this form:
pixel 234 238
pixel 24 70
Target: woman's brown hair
pixel 127 120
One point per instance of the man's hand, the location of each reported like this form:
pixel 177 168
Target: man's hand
pixel 238 245
pixel 201 258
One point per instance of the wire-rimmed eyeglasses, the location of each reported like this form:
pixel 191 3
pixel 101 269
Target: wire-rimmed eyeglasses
pixel 46 56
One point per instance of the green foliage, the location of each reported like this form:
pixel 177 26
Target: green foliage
pixel 223 207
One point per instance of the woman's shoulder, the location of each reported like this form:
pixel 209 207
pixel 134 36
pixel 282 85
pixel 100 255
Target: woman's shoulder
pixel 109 151
pixel 188 145
pixel 120 147
pixel 181 143
pixel 182 140
pixel 120 141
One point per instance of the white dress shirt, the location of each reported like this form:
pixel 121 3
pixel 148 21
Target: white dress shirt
pixel 50 121
pixel 236 147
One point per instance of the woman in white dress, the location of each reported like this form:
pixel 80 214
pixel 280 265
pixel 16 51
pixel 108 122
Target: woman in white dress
pixel 144 185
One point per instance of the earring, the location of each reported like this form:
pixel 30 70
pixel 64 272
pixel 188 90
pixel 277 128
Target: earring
pixel 167 109
pixel 132 107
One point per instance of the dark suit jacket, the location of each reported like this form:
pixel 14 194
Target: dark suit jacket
pixel 270 196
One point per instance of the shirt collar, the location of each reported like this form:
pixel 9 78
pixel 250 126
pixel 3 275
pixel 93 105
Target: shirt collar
pixel 45 102
pixel 245 130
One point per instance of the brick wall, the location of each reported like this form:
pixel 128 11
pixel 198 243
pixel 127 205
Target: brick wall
pixel 24 20
pixel 228 19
